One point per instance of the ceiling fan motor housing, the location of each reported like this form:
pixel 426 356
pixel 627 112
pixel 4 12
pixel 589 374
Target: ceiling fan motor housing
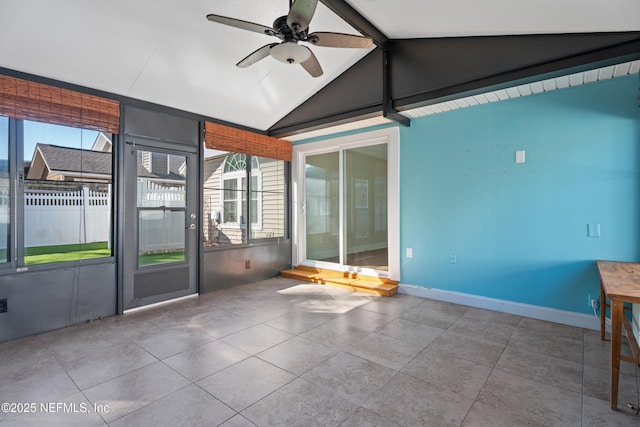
pixel 286 33
pixel 289 51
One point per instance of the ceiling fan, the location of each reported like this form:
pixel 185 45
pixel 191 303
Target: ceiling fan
pixel 291 29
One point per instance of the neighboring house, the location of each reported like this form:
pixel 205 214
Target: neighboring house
pixel 102 143
pixel 225 198
pixel 57 163
pixel 160 167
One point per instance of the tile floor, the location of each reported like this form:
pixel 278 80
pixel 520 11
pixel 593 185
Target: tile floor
pixel 285 353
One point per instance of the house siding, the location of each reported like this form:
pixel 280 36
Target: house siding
pixel 272 196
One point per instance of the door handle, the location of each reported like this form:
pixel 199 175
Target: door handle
pixel 191 227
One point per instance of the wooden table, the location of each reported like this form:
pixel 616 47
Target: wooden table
pixel 619 283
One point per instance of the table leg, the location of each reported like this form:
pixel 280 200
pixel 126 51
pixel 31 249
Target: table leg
pixel 603 311
pixel 616 340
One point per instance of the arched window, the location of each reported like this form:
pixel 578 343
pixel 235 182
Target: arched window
pixel 235 190
pixel 235 162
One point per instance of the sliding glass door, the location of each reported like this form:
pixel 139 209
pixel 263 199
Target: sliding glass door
pixel 345 200
pixel 365 207
pixel 322 182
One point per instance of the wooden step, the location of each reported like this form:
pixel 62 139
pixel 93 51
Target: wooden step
pixel 348 280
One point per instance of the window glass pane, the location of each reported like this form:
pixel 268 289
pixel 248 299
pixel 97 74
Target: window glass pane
pixel 323 207
pixel 67 193
pixel 162 198
pixel 235 162
pixel 159 163
pixel 212 197
pixel 160 186
pixel 365 216
pixel 255 195
pixel 224 198
pixel 5 190
pixel 228 200
pixel 268 187
pixel 160 236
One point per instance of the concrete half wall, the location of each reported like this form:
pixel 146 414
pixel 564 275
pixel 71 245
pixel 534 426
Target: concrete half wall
pixel 39 301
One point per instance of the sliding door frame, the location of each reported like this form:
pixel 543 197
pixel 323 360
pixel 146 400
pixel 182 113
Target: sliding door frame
pixel 389 136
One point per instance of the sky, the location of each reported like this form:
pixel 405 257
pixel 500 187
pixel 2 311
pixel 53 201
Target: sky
pixel 64 136
pixel 35 132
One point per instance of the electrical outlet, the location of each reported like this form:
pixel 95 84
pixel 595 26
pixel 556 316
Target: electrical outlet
pixel 453 258
pixel 247 264
pixel 3 305
pixel 594 304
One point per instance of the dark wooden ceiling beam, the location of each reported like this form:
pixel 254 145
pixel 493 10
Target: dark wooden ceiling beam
pixel 360 23
pixel 357 21
pixel 428 71
pixel 388 110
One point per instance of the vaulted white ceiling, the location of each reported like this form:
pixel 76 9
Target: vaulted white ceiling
pixel 166 52
pixel 446 18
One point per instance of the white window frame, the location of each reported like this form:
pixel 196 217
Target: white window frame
pixel 389 136
pixel 238 175
pixel 258 224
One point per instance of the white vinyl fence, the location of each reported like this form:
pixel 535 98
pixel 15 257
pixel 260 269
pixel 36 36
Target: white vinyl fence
pixel 84 216
pixel 153 194
pixel 160 230
pixel 66 217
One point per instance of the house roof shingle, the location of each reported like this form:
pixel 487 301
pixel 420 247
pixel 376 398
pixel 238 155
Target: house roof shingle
pixel 75 160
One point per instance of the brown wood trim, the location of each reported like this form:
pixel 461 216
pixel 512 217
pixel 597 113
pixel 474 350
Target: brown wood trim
pixel 27 100
pixel 633 343
pixel 349 280
pixel 226 138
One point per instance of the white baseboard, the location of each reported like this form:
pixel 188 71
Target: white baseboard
pixel 581 320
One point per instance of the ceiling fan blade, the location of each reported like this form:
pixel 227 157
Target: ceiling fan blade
pixel 239 23
pixel 338 40
pixel 311 65
pixel 300 14
pixel 256 55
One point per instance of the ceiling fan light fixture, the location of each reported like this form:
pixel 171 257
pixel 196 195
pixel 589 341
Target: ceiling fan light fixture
pixel 290 53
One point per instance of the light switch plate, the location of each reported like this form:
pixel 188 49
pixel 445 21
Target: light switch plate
pixel 593 230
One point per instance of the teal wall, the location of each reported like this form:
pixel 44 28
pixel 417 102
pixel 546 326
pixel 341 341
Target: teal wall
pixel 520 230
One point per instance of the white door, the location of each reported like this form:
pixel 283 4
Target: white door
pixel 348 204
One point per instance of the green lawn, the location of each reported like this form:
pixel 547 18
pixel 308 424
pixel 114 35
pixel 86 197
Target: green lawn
pixel 161 258
pixel 61 253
